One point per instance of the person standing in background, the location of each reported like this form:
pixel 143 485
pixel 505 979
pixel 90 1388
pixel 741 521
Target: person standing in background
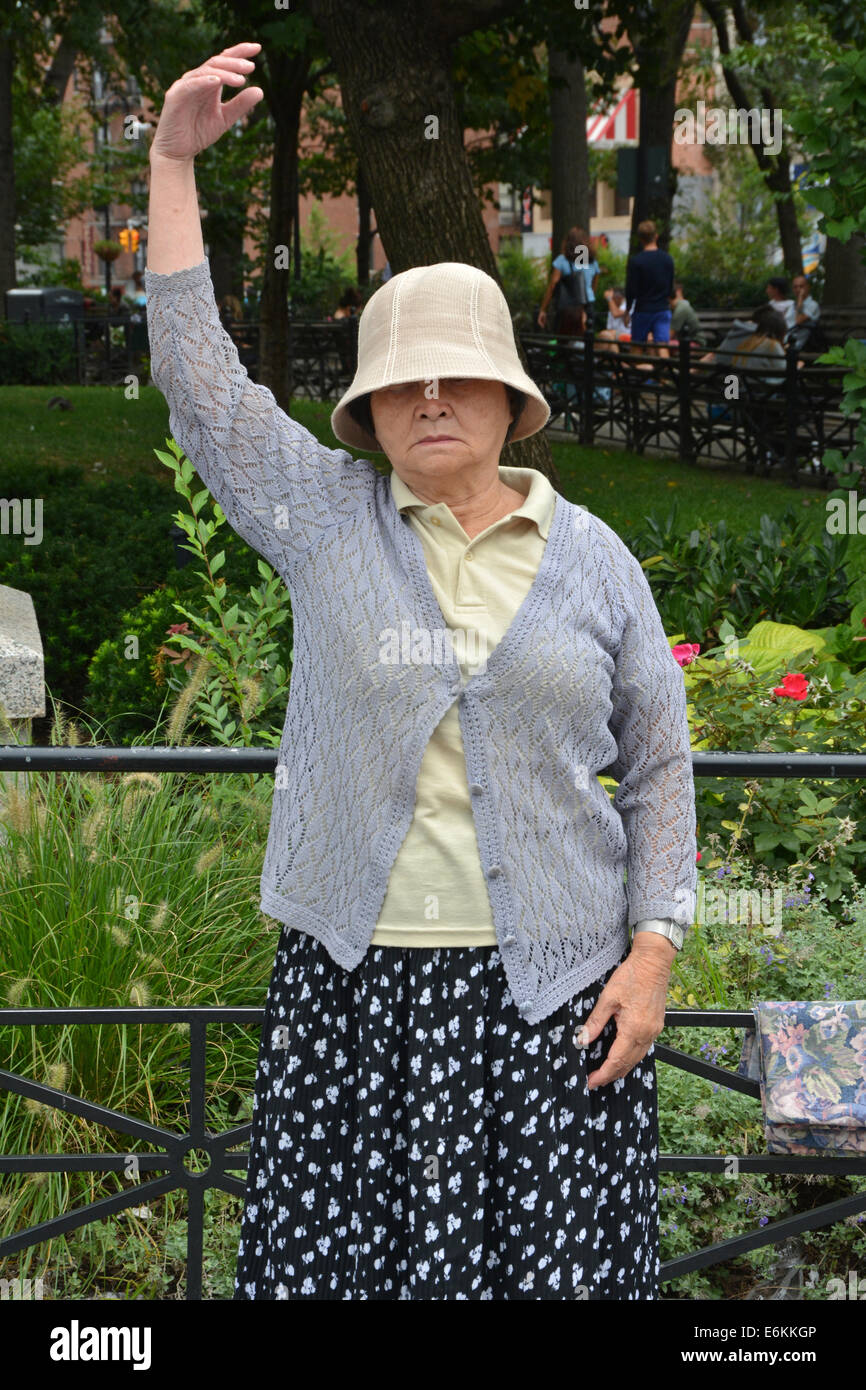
pixel 591 272
pixel 649 285
pixel 568 285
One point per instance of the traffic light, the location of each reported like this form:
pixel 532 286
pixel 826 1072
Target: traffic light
pixel 128 238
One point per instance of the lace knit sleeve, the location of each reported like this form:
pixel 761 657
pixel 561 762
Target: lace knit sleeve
pixel 655 796
pixel 278 486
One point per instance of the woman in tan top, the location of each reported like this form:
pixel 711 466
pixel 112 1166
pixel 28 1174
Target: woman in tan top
pixel 413 1135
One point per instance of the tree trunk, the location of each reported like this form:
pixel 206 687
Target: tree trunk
pixel 778 180
pixel 7 172
pixel 226 268
pixel 62 64
pixel 569 156
pixel 286 83
pixel 844 272
pixel 658 70
pixel 395 67
pixel 365 239
pixel 775 168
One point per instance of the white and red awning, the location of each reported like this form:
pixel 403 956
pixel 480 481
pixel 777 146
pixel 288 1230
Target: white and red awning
pixel 617 126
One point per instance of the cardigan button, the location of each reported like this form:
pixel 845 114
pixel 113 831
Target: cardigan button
pixel 509 940
pixel 476 788
pixel 524 1007
pixel 494 871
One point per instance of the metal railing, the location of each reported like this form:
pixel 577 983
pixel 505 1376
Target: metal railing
pixel 781 420
pixel 172 1149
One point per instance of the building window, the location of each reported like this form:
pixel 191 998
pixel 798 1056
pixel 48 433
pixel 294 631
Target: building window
pixel 621 205
pixel 509 206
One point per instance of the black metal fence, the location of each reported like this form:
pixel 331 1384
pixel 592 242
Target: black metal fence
pixel 778 422
pixel 764 422
pixel 678 405
pixel 173 1152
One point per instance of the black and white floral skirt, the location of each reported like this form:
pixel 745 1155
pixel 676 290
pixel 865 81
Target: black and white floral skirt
pixel 414 1138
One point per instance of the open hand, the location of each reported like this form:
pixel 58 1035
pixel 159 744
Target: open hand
pixel 193 115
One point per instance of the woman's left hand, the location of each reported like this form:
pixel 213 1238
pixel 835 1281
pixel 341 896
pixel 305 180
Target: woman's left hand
pixel 635 995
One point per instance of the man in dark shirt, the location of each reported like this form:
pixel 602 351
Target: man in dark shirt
pixel 649 285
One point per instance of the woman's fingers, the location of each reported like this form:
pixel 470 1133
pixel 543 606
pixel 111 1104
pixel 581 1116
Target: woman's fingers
pixel 242 49
pixel 241 104
pixel 224 72
pixel 624 1054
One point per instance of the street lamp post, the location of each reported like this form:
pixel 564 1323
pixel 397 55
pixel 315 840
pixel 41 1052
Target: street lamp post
pixel 106 100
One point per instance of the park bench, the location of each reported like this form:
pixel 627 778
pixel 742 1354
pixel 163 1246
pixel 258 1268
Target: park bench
pixel 679 405
pixel 838 323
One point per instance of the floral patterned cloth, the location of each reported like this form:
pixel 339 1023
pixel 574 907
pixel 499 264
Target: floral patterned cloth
pixel 810 1059
pixel 414 1138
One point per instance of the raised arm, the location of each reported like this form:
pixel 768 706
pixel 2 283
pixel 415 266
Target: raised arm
pixel 278 486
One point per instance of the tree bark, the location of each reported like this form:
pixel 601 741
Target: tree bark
pixel 775 168
pixel 658 70
pixel 365 239
pixel 844 272
pixel 7 170
pixel 226 268
pixel 395 69
pixel 569 156
pixel 58 75
pixel 284 88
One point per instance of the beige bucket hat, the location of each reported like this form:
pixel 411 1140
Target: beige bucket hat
pixel 443 320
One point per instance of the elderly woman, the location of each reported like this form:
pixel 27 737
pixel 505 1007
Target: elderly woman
pixel 455 1093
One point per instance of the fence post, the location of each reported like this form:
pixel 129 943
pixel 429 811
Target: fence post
pixel 587 424
pixel 791 417
pixel 687 443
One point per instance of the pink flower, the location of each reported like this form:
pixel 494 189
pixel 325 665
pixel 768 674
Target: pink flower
pixel 795 686
pixel 685 652
pixel 788 1036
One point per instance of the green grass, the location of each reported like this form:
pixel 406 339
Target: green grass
pixel 119 435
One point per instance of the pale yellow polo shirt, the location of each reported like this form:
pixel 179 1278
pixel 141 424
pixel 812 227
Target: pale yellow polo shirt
pixel 437 892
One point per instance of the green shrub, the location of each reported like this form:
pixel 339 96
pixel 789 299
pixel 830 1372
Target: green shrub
pixel 37 354
pixel 105 542
pixel 706 576
pixel 523 281
pixel 126 687
pixel 237 690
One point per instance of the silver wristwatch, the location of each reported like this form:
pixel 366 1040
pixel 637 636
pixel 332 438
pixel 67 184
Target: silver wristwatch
pixel 665 926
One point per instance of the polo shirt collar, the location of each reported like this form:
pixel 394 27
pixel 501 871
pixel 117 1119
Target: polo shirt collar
pixel 538 506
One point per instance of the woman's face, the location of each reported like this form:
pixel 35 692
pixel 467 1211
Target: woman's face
pixel 437 428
